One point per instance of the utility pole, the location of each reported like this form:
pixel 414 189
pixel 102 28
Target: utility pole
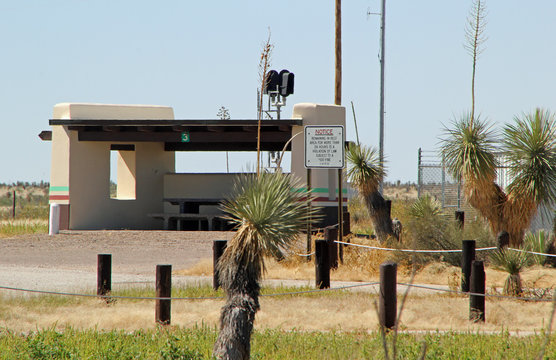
pixel 338 54
pixel 381 117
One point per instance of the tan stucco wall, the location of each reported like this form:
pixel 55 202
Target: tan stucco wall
pixel 79 111
pixel 126 175
pixel 83 167
pixel 210 186
pixel 325 181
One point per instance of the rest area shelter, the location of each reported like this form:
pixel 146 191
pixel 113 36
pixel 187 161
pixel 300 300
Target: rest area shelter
pixel 146 138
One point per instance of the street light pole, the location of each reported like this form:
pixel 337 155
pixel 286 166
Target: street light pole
pixel 381 117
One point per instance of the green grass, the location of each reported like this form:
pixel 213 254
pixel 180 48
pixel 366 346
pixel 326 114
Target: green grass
pixel 48 301
pixel 196 343
pixel 9 228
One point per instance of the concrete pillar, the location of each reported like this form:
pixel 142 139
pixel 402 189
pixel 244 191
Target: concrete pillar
pixel 323 181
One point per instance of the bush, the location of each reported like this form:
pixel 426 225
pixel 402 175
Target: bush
pixel 541 242
pixel 512 262
pixel 428 228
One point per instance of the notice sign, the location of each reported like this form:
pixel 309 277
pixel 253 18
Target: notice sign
pixel 324 146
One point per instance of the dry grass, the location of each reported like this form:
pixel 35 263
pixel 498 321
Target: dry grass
pixel 363 265
pixel 343 311
pixel 401 192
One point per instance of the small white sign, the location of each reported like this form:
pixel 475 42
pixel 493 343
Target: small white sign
pixel 324 146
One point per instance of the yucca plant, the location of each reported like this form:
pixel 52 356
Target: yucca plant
pixel 425 207
pixel 365 172
pixel 530 144
pixel 512 262
pixel 268 215
pixel 540 242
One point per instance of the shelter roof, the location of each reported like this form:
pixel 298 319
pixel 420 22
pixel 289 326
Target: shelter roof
pixel 184 135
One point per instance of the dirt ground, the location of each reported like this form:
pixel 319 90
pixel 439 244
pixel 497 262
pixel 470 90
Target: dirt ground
pixel 68 261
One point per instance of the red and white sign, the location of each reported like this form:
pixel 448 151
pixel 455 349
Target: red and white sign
pixel 324 147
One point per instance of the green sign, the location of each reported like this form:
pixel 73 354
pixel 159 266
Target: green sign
pixel 185 136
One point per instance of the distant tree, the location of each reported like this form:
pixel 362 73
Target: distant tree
pixel 223 113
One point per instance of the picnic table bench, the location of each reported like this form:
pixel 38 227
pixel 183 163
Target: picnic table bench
pixel 191 205
pixel 188 211
pixel 169 218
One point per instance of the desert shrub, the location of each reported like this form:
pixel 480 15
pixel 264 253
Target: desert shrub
pixel 512 262
pixel 541 242
pixel 431 229
pixel 360 219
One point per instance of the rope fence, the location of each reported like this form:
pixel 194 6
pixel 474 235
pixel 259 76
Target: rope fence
pixel 326 254
pixel 438 251
pixel 46 292
pixel 301 292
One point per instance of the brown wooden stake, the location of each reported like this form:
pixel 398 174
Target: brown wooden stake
pixel 330 235
pixel 104 274
pixel 13 204
pixel 163 290
pixel 218 247
pixel 347 223
pixel 322 264
pixel 502 239
pixel 467 257
pixel 387 301
pixel 460 218
pixel 477 302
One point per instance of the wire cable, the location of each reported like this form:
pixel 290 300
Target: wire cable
pixel 412 250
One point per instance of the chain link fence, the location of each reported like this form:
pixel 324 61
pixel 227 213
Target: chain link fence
pixel 434 179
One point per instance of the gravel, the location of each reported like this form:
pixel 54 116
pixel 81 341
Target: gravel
pixel 68 261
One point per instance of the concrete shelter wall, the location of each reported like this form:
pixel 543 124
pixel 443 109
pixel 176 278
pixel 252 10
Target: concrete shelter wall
pixel 198 185
pixel 82 170
pixel 91 206
pixel 324 182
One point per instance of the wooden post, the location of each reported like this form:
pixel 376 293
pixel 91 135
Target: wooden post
pixel 322 264
pixel 347 223
pixel 163 290
pixel 502 239
pixel 104 274
pixel 460 218
pixel 330 235
pixel 309 217
pixel 218 247
pixel 467 257
pixel 340 217
pixel 387 301
pixel 477 302
pixel 13 204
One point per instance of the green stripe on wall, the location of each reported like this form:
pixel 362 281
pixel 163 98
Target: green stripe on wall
pixel 59 188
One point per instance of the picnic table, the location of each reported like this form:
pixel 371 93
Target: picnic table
pixel 188 211
pixel 191 205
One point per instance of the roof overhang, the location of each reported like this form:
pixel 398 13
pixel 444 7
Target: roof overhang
pixel 186 135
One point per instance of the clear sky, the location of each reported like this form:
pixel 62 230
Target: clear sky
pixel 197 56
